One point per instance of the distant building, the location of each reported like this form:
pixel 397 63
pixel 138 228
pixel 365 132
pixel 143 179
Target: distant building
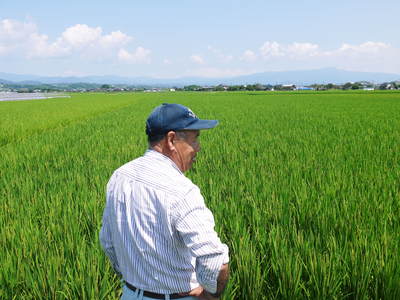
pixel 305 88
pixel 288 87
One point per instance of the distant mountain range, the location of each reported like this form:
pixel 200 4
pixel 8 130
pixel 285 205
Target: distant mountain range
pixel 304 77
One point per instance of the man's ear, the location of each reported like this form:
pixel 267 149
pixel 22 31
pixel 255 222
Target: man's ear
pixel 171 136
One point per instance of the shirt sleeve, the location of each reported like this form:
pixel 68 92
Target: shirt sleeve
pixel 106 239
pixel 195 224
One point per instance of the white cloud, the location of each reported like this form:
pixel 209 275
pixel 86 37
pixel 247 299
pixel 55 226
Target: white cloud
pixel 249 56
pixel 369 56
pixel 89 41
pixel 197 59
pixel 140 55
pixel 366 57
pixel 115 39
pixel 303 49
pixel 81 35
pixel 11 30
pixel 40 47
pixel 365 48
pixel 14 34
pixel 80 42
pixel 294 50
pixel 271 49
pixel 21 38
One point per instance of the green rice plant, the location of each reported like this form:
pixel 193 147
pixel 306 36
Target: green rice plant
pixel 304 188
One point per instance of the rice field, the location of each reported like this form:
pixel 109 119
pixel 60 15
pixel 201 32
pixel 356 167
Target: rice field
pixel 304 187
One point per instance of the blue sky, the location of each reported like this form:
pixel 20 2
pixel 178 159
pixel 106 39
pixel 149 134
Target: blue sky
pixel 169 39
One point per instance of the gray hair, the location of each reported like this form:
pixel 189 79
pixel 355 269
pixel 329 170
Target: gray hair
pixel 154 139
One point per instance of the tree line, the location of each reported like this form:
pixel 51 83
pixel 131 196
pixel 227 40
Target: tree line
pixel 394 85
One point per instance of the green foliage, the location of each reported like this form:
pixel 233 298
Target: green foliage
pixel 192 87
pixel 22 119
pixel 303 187
pixel 347 86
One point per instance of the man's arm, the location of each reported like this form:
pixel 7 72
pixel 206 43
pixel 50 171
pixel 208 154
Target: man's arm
pixel 222 280
pixel 106 242
pixel 195 224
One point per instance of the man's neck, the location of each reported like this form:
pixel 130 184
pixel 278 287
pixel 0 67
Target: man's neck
pixel 163 149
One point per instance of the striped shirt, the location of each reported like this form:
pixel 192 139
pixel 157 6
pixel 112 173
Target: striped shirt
pixel 157 231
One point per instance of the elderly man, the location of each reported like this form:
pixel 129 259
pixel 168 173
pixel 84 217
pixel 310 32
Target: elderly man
pixel 157 231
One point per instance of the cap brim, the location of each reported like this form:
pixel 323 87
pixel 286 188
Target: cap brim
pixel 202 124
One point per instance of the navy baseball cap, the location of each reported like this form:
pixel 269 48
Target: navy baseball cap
pixel 175 117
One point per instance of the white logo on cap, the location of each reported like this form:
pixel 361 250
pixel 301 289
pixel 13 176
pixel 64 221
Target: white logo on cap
pixel 191 113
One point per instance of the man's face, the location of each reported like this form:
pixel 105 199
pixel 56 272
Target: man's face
pixel 187 149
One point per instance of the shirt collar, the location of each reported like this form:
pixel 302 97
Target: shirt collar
pixel 157 155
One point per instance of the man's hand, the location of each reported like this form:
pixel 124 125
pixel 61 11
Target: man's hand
pixel 201 293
